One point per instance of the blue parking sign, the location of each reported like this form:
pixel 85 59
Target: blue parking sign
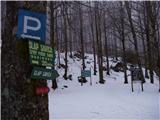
pixel 31 25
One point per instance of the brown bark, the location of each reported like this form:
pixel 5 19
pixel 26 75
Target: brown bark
pixel 18 97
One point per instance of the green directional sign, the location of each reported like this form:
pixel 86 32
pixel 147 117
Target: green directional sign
pixel 43 73
pixel 41 54
pixel 85 73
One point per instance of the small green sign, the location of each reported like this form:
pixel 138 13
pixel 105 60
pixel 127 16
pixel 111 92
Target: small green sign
pixel 86 73
pixel 41 54
pixel 43 73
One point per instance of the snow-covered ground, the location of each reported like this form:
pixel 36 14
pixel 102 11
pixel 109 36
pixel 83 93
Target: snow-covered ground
pixel 112 100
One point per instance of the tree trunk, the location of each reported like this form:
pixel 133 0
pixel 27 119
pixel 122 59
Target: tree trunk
pixel 66 41
pixel 18 98
pixel 144 47
pixel 147 30
pixel 115 44
pixel 70 35
pixel 54 82
pixel 134 38
pixel 70 46
pixel 123 45
pixel 81 36
pixel 93 43
pixel 106 46
pixel 99 45
pixel 58 43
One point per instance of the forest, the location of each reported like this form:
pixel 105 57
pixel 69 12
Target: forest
pixel 126 31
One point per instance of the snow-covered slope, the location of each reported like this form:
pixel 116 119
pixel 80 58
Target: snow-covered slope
pixel 112 100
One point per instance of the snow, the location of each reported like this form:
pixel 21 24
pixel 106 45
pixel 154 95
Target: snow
pixel 112 100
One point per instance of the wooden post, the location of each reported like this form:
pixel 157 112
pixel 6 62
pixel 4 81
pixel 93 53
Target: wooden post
pixel 90 78
pixel 81 78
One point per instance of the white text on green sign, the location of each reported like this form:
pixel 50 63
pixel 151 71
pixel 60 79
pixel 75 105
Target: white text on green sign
pixel 41 54
pixel 43 73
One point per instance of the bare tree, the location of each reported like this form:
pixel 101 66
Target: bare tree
pixel 81 35
pixel 93 38
pixel 142 31
pixel 64 12
pixel 106 45
pixel 99 42
pixel 123 42
pixel 134 36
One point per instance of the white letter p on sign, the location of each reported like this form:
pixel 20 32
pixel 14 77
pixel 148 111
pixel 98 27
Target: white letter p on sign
pixel 26 27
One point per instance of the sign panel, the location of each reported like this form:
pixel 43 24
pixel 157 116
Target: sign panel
pixel 31 25
pixel 85 73
pixel 42 90
pixel 41 54
pixel 43 73
pixel 136 75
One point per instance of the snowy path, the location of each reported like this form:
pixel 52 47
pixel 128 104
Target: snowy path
pixel 113 100
pixel 105 102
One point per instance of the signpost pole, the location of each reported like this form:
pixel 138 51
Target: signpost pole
pixel 81 79
pixel 81 82
pixel 90 78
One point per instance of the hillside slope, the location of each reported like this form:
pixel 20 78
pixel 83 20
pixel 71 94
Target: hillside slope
pixel 112 100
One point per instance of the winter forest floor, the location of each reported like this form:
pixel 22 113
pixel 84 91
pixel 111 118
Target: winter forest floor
pixel 112 100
